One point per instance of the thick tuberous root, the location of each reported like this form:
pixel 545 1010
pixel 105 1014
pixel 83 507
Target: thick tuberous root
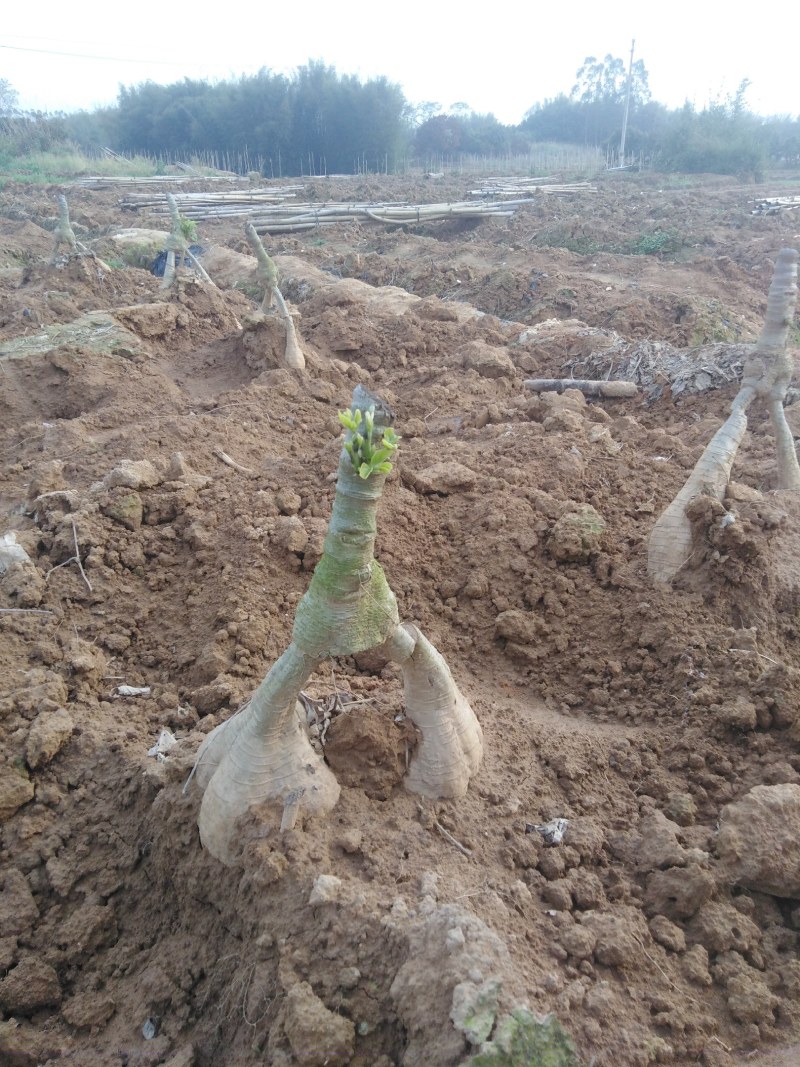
pixel 262 757
pixel 451 745
pixel 767 374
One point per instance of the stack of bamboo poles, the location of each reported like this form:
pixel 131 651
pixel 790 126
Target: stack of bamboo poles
pixel 516 186
pixel 772 205
pixel 205 205
pixel 280 217
pixel 111 182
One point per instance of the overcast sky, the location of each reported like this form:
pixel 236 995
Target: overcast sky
pixel 492 57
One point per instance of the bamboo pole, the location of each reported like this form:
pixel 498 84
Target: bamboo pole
pixel 589 388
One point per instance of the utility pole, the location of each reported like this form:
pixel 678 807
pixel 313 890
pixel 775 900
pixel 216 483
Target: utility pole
pixel 627 108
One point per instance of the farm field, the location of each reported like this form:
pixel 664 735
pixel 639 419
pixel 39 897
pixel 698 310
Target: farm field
pixel 171 484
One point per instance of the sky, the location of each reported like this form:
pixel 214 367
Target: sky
pixel 500 60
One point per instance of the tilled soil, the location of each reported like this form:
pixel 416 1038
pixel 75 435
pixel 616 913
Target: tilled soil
pixel 171 483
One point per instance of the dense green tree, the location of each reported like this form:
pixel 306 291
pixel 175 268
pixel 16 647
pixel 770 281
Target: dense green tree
pixel 9 97
pixel 723 138
pixel 318 121
pixel 606 81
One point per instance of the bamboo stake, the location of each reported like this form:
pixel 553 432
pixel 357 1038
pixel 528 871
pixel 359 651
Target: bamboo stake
pixel 590 388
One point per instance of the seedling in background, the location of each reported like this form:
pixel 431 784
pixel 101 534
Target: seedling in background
pixel 767 374
pixel 177 246
pixel 267 274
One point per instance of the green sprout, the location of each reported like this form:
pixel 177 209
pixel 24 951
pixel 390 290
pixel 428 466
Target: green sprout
pixel 188 228
pixel 366 456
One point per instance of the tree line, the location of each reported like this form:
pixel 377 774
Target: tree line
pixel 318 121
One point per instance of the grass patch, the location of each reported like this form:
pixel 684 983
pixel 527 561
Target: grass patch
pixel 664 243
pixel 59 164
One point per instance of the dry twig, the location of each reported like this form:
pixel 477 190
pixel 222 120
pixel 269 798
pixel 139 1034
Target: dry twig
pixel 73 559
pixel 226 459
pixel 26 611
pixel 453 841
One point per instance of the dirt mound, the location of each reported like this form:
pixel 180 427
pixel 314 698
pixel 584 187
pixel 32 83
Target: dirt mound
pixel 171 483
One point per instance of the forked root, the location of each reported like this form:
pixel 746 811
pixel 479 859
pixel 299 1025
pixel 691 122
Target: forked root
pixel 267 274
pixel 261 756
pixel 767 374
pixel 451 748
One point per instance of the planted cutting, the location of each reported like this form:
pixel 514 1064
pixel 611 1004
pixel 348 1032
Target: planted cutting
pixel 177 246
pixel 262 755
pixel 767 374
pixel 267 274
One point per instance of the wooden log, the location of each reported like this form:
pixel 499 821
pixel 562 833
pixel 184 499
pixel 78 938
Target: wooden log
pixel 589 388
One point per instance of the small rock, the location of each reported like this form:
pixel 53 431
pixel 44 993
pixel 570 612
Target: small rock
pixel 740 714
pixel 750 1000
pixel 290 534
pixel 287 501
pixel 694 964
pixel 349 977
pixel 721 927
pixel 558 894
pixel 31 985
pixel 47 477
pixel 587 890
pixel 666 933
pixel 210 698
pixel 48 735
pixel 678 892
pixel 87 1010
pixel 15 790
pixel 474 1008
pixel 681 809
pixel 488 361
pixel 616 944
pixel 476 586
pixel 445 478
pixel 124 507
pixel 579 941
pixel 326 889
pixel 132 474
pixel 317 1036
pixel 759 840
pixel 24 584
pixel 18 910
pixel 576 535
pixel 653 845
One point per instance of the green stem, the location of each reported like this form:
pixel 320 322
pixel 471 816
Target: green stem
pixel 349 606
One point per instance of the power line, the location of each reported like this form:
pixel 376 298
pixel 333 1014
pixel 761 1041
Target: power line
pixel 110 59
